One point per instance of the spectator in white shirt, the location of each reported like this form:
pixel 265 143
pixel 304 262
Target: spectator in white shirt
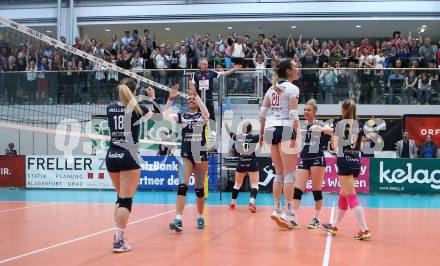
pixel 219 42
pixel 183 58
pixel 98 48
pixel 260 62
pixel 161 60
pixel 238 51
pixel 137 62
pixel 379 60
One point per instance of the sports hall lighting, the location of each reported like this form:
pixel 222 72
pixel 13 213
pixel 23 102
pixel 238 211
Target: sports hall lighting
pixel 293 27
pixel 424 26
pixel 167 29
pixel 107 30
pixel 49 31
pixel 229 28
pixel 358 26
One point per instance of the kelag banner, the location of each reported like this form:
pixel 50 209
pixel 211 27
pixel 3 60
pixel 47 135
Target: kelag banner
pixel 330 183
pixel 418 126
pixel 161 173
pixel 420 176
pixel 12 171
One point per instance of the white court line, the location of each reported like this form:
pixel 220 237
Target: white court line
pixel 81 238
pixel 40 205
pixel 28 207
pixel 328 243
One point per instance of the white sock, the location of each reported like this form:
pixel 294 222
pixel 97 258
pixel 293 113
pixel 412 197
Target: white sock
pixel 233 201
pixel 119 232
pixel 252 201
pixel 289 207
pixel 199 216
pixel 359 213
pixel 317 212
pixel 339 215
pixel 178 216
pixel 277 204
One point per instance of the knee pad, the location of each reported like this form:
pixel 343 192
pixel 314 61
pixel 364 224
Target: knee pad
pixel 352 201
pixel 200 192
pixel 254 185
pixel 297 194
pixel 118 200
pixel 279 179
pixel 342 203
pixel 182 189
pixel 126 203
pixel 289 178
pixel 237 186
pixel 317 195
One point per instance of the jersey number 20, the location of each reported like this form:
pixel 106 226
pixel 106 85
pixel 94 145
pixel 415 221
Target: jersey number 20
pixel 275 99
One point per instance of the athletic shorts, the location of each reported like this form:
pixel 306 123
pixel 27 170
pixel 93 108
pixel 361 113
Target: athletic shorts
pixel 119 159
pixel 276 135
pixel 195 158
pixel 348 166
pixel 247 165
pixel 307 163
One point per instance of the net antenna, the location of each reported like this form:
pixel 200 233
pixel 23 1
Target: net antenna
pixel 73 50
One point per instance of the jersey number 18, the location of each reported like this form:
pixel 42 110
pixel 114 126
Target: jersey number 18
pixel 119 122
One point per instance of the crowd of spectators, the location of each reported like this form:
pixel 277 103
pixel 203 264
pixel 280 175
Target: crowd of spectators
pixel 328 66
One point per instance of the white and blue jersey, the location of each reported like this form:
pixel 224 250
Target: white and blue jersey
pixel 194 134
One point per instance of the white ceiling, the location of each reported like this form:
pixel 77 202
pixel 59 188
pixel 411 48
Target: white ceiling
pixel 309 29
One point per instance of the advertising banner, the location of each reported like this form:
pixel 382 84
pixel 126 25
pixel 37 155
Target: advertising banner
pixel 67 172
pixel 330 182
pixel 415 176
pixel 12 171
pixel 161 173
pixel 419 126
pixel 90 172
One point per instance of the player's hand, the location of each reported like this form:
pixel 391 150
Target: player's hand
pixel 173 92
pixel 151 92
pixel 316 128
pixel 192 88
pixel 327 129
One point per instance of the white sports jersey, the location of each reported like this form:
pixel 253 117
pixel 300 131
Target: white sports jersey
pixel 279 105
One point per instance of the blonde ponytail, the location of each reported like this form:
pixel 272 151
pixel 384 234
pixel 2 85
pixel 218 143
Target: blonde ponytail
pixel 275 87
pixel 126 96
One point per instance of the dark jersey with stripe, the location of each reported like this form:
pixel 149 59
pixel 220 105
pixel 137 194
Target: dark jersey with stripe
pixel 246 144
pixel 123 127
pixel 194 130
pixel 204 80
pixel 315 142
